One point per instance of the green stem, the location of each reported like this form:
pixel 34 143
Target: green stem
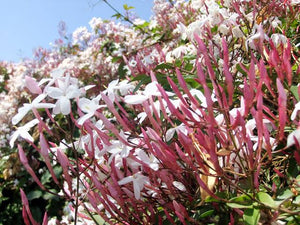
pixel 124 17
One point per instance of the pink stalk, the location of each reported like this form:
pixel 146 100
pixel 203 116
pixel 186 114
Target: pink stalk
pixel 259 123
pixel 25 216
pixel 287 63
pixel 183 85
pixel 32 85
pixel 165 152
pixel 64 162
pixel 121 108
pixel 45 153
pixel 265 78
pixel 169 217
pixel 45 220
pixel 41 122
pixel 228 75
pixel 248 94
pixel 256 177
pixel 176 91
pixel 251 73
pixel 92 199
pixel 170 105
pixel 246 139
pixel 163 109
pixel 25 163
pixel 207 94
pixel 104 137
pixel 180 211
pixel 112 108
pixel 111 127
pixel 26 207
pixel 282 98
pixel 155 112
pixel 154 123
pixel 193 153
pixel 203 50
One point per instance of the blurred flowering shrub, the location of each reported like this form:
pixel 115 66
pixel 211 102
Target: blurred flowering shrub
pixel 191 118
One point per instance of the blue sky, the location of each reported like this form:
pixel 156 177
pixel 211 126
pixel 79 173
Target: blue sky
pixel 28 24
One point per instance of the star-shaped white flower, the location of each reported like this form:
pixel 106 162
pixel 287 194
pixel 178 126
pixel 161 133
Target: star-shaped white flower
pixel 35 104
pixel 295 111
pixel 138 181
pixel 292 136
pixel 89 107
pixel 23 132
pixel 63 93
pixel 150 90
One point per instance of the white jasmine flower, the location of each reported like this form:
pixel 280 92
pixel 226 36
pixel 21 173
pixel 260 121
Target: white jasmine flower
pixel 138 181
pixel 63 93
pixel 23 132
pixel 89 107
pixel 292 136
pixel 29 106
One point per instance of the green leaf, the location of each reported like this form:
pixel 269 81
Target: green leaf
pixel 164 66
pixel 251 216
pixel 266 199
pixel 121 70
pixel 297 200
pixel 34 194
pixel 189 57
pixel 294 90
pixel 240 202
pixel 238 205
pixel 46 177
pixel 126 7
pixel 49 196
pixel 143 78
pixel 178 63
pixel 99 220
pixel 241 70
pixel 117 15
pixel 207 213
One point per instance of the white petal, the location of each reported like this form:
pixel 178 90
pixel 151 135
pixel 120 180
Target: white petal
pixel 31 123
pixel 44 80
pixel 170 133
pixel 137 190
pixel 13 138
pixel 38 99
pixel 54 92
pixel 290 139
pixel 142 116
pixel 154 166
pixel 21 113
pixel 179 185
pixel 88 87
pixel 295 112
pixel 135 99
pixel 151 89
pixel 112 84
pixel 72 92
pixel 82 119
pixel 44 105
pixel 82 103
pixel 26 136
pixel 125 180
pixel 56 109
pixel 65 105
pixel 56 73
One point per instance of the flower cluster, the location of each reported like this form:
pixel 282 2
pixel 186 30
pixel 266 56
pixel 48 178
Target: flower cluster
pixel 196 126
